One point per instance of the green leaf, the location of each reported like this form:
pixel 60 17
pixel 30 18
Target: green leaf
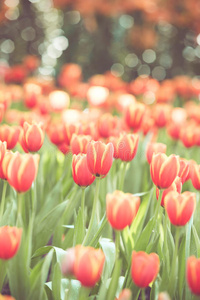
pixel 197 240
pixel 109 250
pixel 181 268
pixel 143 239
pixel 59 252
pixel 46 225
pixel 39 276
pixel 56 282
pixel 96 235
pixel 79 232
pixel 114 281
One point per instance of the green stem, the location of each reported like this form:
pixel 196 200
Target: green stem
pixel 84 293
pixel 3 264
pixel 83 205
pixel 93 211
pixel 187 249
pixel 173 280
pixel 19 209
pixel 143 294
pixel 117 244
pixel 122 175
pixel 158 204
pixel 3 198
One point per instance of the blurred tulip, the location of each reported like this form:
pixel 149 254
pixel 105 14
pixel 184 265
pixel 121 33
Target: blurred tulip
pixel 124 295
pixel 69 129
pixel 187 135
pixel 55 132
pixel 10 238
pixel 59 100
pixel 4 164
pixel 193 274
pixel 5 297
pixel 80 171
pixel 175 186
pixel 194 170
pixel 9 134
pixel 134 115
pixel 121 209
pixel 79 143
pixel 164 169
pixel 144 268
pixel 127 146
pixel 161 114
pixel 99 158
pixel 31 62
pixel 163 296
pixel 22 170
pixel 32 137
pixel 154 148
pixel 85 263
pixel 184 169
pixel 180 207
pixel 173 130
pixel 106 124
pixel 32 92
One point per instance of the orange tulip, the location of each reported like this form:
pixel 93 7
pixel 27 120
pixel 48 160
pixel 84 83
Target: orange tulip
pixel 79 143
pixel 175 186
pixel 161 114
pixel 127 146
pixel 194 170
pixel 10 238
pixel 184 169
pixel 32 137
pixel 99 158
pixel 180 207
pixel 4 164
pixel 164 169
pixel 154 148
pixel 106 124
pixel 70 129
pixel 85 263
pixel 121 209
pixel 5 297
pixel 22 171
pixel 193 274
pixel 80 171
pixel 144 268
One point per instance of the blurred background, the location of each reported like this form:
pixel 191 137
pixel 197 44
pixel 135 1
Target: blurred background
pixel 129 38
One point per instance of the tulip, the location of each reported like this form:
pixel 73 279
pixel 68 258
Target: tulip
pixel 10 135
pixel 163 296
pixel 99 158
pixel 10 238
pixel 194 171
pixel 85 263
pixel 134 115
pixel 121 209
pixel 164 169
pixel 193 274
pixel 154 148
pixel 79 143
pixel 188 135
pixel 80 171
pixel 5 297
pixel 4 164
pixel 70 129
pixel 124 295
pixel 55 133
pixel 161 114
pixel 106 124
pixel 180 207
pixel 175 186
pixel 184 169
pixel 127 146
pixel 22 171
pixel 144 268
pixel 114 141
pixel 32 137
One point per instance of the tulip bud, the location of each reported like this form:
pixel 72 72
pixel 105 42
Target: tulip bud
pixel 127 146
pixel 10 238
pixel 22 171
pixel 85 263
pixel 193 274
pixel 79 143
pixel 134 115
pixel 121 209
pixel 99 158
pixel 80 172
pixel 164 169
pixel 180 207
pixel 175 186
pixel 144 268
pixel 33 136
pixel 155 148
pixel 9 134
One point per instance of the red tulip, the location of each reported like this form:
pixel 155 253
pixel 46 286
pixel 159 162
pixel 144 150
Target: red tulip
pixel 127 146
pixel 10 238
pixel 161 114
pixel 106 124
pixel 194 170
pixel 124 295
pixel 180 207
pixel 79 143
pixel 70 129
pixel 184 169
pixel 22 171
pixel 144 268
pixel 9 134
pixel 99 158
pixel 32 137
pixel 5 297
pixel 85 263
pixel 175 186
pixel 164 169
pixel 134 114
pixel 193 274
pixel 154 148
pixel 121 209
pixel 80 171
pixel 4 164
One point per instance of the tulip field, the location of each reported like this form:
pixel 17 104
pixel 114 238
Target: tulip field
pixel 99 192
